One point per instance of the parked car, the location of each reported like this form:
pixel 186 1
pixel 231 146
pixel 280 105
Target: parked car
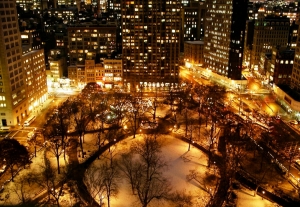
pixel 294 122
pixel 2 169
pixel 31 135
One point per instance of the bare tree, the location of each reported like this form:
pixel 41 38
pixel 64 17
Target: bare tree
pixel 63 123
pixel 189 127
pixel 34 143
pixel 103 181
pixel 234 156
pixel 134 114
pixel 94 183
pixel 13 154
pixel 58 185
pixel 186 121
pixel 201 92
pixel 52 182
pixel 111 177
pixel 181 199
pixel 20 189
pixel 130 168
pixel 153 108
pixel 119 104
pixel 145 173
pixel 56 148
pixel 46 176
pixel 82 118
pixel 194 175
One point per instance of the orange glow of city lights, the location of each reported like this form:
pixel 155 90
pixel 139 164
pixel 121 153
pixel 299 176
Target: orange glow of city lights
pixel 254 86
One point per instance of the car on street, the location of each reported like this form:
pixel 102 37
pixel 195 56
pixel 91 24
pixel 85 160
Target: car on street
pixel 294 122
pixel 31 135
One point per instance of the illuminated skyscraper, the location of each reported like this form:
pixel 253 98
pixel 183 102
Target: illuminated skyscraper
pixel 224 36
pixel 22 70
pixel 194 17
pixel 88 41
pixel 29 4
pixel 151 42
pixel 13 104
pixel 295 82
pixel 269 31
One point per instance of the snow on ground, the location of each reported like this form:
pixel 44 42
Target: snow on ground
pixel 28 179
pixel 175 151
pixel 180 161
pixel 246 199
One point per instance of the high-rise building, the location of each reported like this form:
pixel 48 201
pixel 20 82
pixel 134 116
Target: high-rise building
pixel 65 14
pixel 293 34
pixel 13 102
pixel 269 31
pixel 57 65
pixel 29 4
pixel 66 3
pixel 151 42
pixel 279 70
pixel 295 82
pixel 224 37
pixel 91 41
pixel 193 21
pixel 35 76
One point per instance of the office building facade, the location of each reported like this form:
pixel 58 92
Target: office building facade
pixel 13 101
pixel 295 80
pixel 269 31
pixel 91 42
pixel 36 80
pixel 107 74
pixel 193 20
pixel 224 37
pixel 279 70
pixel 193 53
pixel 151 43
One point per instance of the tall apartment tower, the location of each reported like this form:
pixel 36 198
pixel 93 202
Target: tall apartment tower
pixel 91 41
pixel 295 81
pixel 224 37
pixel 193 21
pixel 269 31
pixel 13 102
pixel 151 42
pixel 29 4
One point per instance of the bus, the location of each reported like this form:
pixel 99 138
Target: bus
pixel 28 121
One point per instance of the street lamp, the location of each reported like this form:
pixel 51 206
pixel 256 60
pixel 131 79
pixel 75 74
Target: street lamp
pixel 101 199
